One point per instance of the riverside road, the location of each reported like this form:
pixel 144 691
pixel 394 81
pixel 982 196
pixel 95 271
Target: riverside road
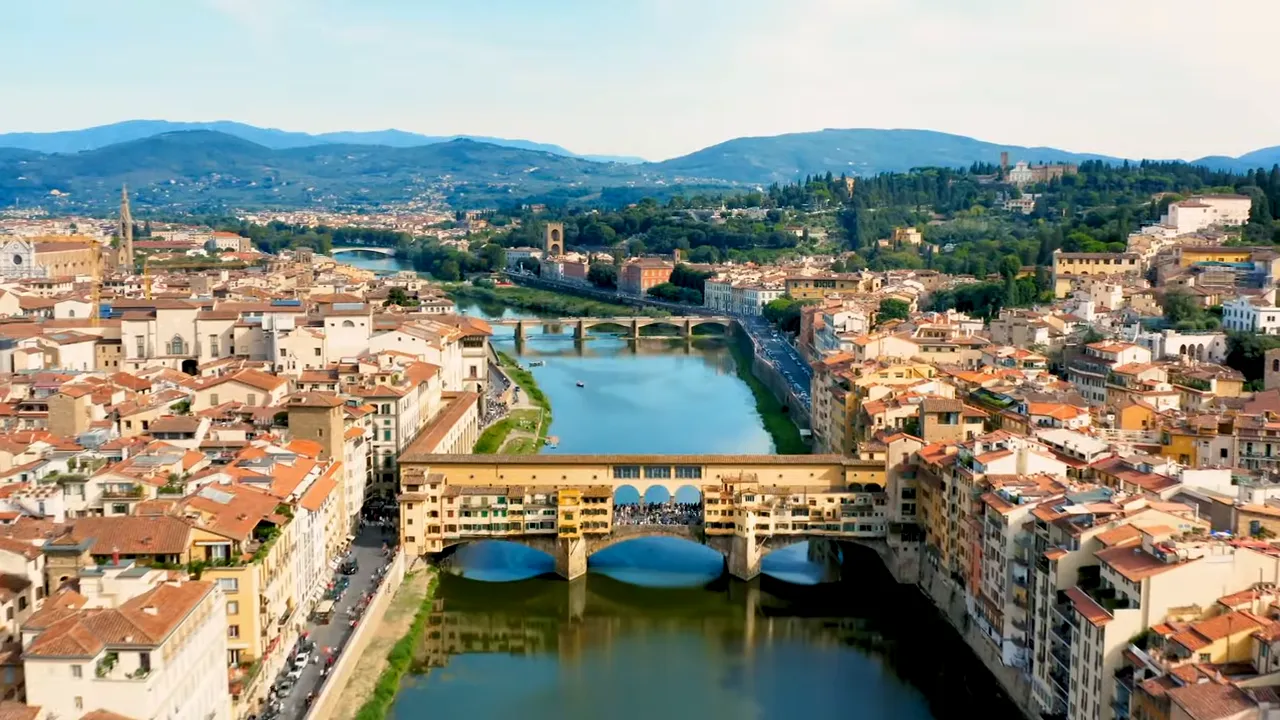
pixel 366 549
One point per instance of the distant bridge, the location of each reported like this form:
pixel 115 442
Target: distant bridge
pixel 682 324
pixel 389 252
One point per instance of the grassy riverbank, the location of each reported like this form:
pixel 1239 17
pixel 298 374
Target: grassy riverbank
pixel 524 432
pixel 399 658
pixel 777 421
pixel 543 301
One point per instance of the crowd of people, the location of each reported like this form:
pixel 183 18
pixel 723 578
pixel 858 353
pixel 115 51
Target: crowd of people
pixel 495 408
pixel 666 513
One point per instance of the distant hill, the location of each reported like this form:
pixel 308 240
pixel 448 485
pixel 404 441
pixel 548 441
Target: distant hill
pixel 204 167
pixel 1263 158
pixel 782 158
pixel 69 141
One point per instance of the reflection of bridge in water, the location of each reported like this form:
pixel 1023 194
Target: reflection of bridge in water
pixel 563 505
pixel 683 326
pixel 596 611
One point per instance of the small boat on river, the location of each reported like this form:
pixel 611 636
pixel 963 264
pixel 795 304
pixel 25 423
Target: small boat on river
pixel 581 384
pixel 536 363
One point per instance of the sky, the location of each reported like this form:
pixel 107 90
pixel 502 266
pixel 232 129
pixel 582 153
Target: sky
pixel 660 78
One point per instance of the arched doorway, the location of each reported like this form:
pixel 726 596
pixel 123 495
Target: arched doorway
pixel 191 367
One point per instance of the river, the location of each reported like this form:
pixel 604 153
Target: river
pixel 655 628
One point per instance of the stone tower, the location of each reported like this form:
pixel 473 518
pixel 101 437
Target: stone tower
pixel 124 256
pixel 553 239
pixel 1271 369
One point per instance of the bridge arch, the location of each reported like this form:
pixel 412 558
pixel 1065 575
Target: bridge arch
pixel 390 252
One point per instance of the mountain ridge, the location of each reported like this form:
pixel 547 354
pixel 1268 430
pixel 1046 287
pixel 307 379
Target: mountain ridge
pixel 99 136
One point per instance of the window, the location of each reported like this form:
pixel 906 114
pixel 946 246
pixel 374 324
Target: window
pixel 317 352
pixel 140 347
pixel 233 631
pixel 77 671
pixel 688 472
pixel 213 345
pixel 213 398
pixel 662 472
pixel 177 346
pixel 22 603
pixel 626 472
pixel 233 657
pixel 79 700
pixel 144 662
pixel 233 607
pixel 229 584
pixel 253 399
pixel 386 435
pixel 348 324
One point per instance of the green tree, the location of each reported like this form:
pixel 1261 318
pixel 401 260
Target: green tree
pixel 636 247
pixel 892 309
pixel 449 271
pixel 495 256
pixel 1179 306
pixel 529 265
pixel 603 275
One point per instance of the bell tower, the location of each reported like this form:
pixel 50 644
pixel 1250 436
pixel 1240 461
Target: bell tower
pixel 553 239
pixel 124 255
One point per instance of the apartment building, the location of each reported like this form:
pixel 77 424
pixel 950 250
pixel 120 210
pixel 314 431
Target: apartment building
pixel 1069 532
pixel 1070 268
pixel 1092 372
pixel 149 648
pixel 1252 313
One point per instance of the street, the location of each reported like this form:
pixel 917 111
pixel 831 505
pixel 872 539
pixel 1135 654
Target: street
pixel 366 549
pixel 780 354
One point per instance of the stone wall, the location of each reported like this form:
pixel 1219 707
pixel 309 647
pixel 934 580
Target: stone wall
pixel 949 599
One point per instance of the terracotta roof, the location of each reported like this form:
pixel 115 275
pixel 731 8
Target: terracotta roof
pixel 252 378
pixel 1087 608
pixel 10 710
pixel 1134 566
pixel 1211 701
pixel 132 535
pixel 144 620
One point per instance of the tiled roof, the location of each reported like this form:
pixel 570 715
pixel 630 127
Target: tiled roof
pixel 132 535
pixel 145 620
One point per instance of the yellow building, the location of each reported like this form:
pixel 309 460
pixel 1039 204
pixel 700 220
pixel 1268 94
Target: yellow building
pixel 1067 267
pixel 564 503
pixel 817 287
pixel 1188 256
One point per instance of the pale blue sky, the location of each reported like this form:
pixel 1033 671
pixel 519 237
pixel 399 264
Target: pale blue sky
pixel 658 78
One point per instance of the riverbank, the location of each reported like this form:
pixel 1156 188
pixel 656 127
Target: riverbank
pixel 544 301
pixel 777 421
pixel 406 618
pixel 534 396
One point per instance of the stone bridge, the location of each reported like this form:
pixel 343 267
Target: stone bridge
pixel 682 324
pixel 742 555
pixel 389 252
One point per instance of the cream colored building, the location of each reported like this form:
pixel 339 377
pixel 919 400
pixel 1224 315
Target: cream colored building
pixel 147 648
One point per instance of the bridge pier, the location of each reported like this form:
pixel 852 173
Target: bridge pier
pixel 744 558
pixel 686 330
pixel 571 558
pixel 580 330
pixel 520 332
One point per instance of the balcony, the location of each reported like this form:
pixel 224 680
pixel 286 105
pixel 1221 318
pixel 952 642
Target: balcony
pixel 122 492
pixel 1089 368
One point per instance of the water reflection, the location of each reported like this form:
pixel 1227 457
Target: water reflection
pixel 600 647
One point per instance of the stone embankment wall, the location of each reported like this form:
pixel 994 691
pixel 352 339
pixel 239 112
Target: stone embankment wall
pixel 949 600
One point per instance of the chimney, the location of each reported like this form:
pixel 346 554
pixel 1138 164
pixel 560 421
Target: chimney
pixel 115 556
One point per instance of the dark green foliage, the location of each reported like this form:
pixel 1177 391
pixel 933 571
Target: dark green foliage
pixel 603 275
pixel 674 293
pixel 892 309
pixel 1246 352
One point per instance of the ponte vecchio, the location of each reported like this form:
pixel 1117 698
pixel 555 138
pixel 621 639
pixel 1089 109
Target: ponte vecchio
pixel 565 505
